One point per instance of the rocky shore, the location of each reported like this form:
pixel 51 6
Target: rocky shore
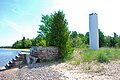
pixel 65 71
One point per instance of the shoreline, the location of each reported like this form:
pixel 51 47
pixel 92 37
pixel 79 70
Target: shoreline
pixel 15 49
pixel 2 68
pixel 6 61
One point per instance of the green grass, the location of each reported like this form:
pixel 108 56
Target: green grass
pixel 100 55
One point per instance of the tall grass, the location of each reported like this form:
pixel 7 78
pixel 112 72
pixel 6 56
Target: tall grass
pixel 101 55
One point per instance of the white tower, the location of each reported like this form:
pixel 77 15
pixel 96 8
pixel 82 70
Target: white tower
pixel 93 31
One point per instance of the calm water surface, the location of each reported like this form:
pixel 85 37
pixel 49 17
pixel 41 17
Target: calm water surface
pixel 6 55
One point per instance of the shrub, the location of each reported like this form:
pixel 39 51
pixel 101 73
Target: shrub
pixel 102 57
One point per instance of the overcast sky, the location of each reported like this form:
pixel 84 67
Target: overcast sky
pixel 19 18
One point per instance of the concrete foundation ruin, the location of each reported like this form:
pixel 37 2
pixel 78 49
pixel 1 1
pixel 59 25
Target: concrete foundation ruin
pixel 41 53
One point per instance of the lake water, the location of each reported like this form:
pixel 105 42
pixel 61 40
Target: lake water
pixel 6 55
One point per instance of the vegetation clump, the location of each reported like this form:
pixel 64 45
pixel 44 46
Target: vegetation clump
pixel 102 55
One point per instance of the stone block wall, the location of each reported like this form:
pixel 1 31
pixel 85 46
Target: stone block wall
pixel 44 53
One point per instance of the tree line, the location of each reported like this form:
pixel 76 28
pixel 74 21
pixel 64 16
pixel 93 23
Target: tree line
pixel 78 40
pixel 54 32
pixel 112 41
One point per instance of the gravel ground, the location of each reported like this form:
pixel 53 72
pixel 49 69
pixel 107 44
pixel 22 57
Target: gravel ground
pixel 65 71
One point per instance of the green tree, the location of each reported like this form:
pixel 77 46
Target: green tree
pixel 87 38
pixel 115 39
pixel 118 42
pixel 73 34
pixel 101 39
pixel 60 35
pixel 28 43
pixel 38 41
pixel 17 44
pixel 44 28
pixel 112 41
pixel 107 41
pixel 83 40
pixel 23 42
pixel 78 40
pixel 73 37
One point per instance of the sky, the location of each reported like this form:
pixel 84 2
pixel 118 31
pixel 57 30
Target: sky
pixel 20 18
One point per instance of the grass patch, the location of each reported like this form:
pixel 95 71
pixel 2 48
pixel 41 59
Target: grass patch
pixel 100 55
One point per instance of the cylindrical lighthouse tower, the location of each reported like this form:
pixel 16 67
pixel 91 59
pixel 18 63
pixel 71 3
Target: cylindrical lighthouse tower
pixel 93 31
